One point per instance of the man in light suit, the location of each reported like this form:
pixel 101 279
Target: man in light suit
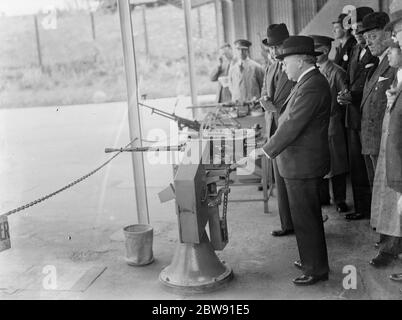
pixel 275 91
pixel 246 76
pixel 300 146
pixel 374 101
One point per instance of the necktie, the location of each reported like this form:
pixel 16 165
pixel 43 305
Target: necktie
pixel 241 67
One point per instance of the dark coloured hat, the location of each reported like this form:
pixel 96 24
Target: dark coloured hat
pixel 395 10
pixel 242 43
pixel 276 34
pixel 322 41
pixel 375 20
pixel 361 12
pixel 298 45
pixel 341 17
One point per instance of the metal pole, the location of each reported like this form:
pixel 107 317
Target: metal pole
pixel 93 25
pixel 133 110
pixel 144 21
pixel 219 23
pixel 38 41
pixel 244 19
pixel 190 50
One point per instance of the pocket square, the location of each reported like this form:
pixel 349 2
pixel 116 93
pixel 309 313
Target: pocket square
pixel 369 65
pixel 380 79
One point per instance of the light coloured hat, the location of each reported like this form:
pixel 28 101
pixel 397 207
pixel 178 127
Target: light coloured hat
pixel 395 10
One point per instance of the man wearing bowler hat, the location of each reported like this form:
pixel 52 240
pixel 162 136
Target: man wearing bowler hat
pixel 361 62
pixel 275 91
pixel 336 77
pixel 246 76
pixel 300 147
pixel 343 33
pixel 374 101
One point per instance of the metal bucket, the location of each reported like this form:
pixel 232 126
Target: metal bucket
pixel 139 239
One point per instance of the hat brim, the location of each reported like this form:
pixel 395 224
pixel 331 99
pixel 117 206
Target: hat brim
pixel 314 54
pixel 366 30
pixel 271 44
pixel 391 25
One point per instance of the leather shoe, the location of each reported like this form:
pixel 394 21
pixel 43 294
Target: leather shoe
pixel 342 207
pixel 325 218
pixel 298 264
pixel 396 277
pixel 377 245
pixel 355 216
pixel 382 260
pixel 309 280
pixel 281 233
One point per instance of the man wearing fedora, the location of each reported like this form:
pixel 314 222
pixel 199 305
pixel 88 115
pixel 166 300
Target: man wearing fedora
pixel 336 77
pixel 347 41
pixel 275 91
pixel 361 62
pixel 246 76
pixel 374 100
pixel 300 147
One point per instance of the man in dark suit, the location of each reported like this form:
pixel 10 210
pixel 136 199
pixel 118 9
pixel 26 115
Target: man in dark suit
pixel 361 62
pixel 336 133
pixel 220 73
pixel 374 101
pixel 347 41
pixel 300 146
pixel 275 91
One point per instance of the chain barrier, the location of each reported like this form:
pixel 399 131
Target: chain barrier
pixel 26 206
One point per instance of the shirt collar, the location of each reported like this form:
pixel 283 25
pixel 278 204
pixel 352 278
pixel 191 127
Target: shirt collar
pixel 305 72
pixel 381 57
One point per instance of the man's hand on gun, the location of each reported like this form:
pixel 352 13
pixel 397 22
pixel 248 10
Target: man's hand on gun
pixel 344 97
pixel 253 155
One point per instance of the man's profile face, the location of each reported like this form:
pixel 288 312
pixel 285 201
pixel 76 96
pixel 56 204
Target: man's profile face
pixel 275 51
pixel 291 65
pixel 394 57
pixel 338 31
pixel 226 52
pixel 359 37
pixel 374 40
pixel 323 57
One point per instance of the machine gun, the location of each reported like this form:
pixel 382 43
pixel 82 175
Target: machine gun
pixel 181 122
pixel 201 200
pixel 251 103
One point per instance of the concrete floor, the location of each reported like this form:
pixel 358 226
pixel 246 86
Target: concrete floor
pixel 80 229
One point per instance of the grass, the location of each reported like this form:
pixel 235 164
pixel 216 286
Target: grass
pixel 78 70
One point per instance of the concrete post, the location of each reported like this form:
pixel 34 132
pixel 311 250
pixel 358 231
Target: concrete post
pixel 133 110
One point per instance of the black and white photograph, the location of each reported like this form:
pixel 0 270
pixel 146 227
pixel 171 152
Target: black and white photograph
pixel 200 155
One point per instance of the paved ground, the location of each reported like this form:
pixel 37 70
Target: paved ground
pixel 78 232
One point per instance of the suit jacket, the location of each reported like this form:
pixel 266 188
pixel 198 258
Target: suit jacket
pixel 393 150
pixel 222 94
pixel 300 143
pixel 246 82
pixel 374 103
pixel 343 54
pixel 336 77
pixel 355 79
pixel 277 87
